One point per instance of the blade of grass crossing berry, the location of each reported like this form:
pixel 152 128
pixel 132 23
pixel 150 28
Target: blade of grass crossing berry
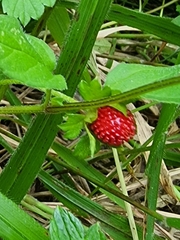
pixel 154 162
pixel 26 161
pixel 161 27
pixel 16 224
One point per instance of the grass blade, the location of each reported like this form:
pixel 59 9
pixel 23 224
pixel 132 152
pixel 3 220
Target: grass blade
pixel 16 224
pixel 63 192
pixel 154 162
pixel 161 27
pixel 79 46
pixel 28 158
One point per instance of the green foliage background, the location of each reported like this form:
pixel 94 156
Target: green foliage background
pixel 27 60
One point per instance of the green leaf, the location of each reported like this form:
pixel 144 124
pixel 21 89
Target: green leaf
pixel 126 77
pixel 17 225
pixel 65 225
pixel 29 60
pixel 73 125
pixel 173 222
pixel 56 101
pixel 176 21
pixel 178 8
pixel 92 142
pixel 95 233
pixel 41 52
pixel 25 10
pixel 93 90
pixel 82 149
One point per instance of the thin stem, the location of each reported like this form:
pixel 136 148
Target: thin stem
pixel 121 98
pixel 140 6
pixel 22 109
pixel 9 81
pixel 34 202
pixel 162 6
pixel 47 98
pixel 124 191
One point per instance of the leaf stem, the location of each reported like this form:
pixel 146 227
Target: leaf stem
pixel 121 98
pixel 22 109
pixel 124 191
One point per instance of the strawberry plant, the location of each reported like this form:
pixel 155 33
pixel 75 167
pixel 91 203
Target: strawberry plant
pixel 79 91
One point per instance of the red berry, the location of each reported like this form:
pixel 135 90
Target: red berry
pixel 112 126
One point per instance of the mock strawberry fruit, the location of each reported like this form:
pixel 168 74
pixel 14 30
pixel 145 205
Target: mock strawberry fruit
pixel 112 127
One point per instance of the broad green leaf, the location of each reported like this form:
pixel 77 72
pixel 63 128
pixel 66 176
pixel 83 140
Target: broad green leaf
pixel 93 90
pixel 95 233
pixel 43 53
pixel 126 77
pixel 15 224
pixel 29 60
pixel 65 225
pixel 26 9
pixel 73 125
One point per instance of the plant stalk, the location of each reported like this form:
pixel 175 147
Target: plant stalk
pixel 124 191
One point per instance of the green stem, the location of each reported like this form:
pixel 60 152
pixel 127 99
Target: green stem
pixel 121 98
pixel 162 6
pixel 124 191
pixel 4 82
pixel 35 210
pixel 22 109
pixel 43 207
pixel 47 98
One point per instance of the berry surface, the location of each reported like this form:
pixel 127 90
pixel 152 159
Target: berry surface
pixel 112 127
